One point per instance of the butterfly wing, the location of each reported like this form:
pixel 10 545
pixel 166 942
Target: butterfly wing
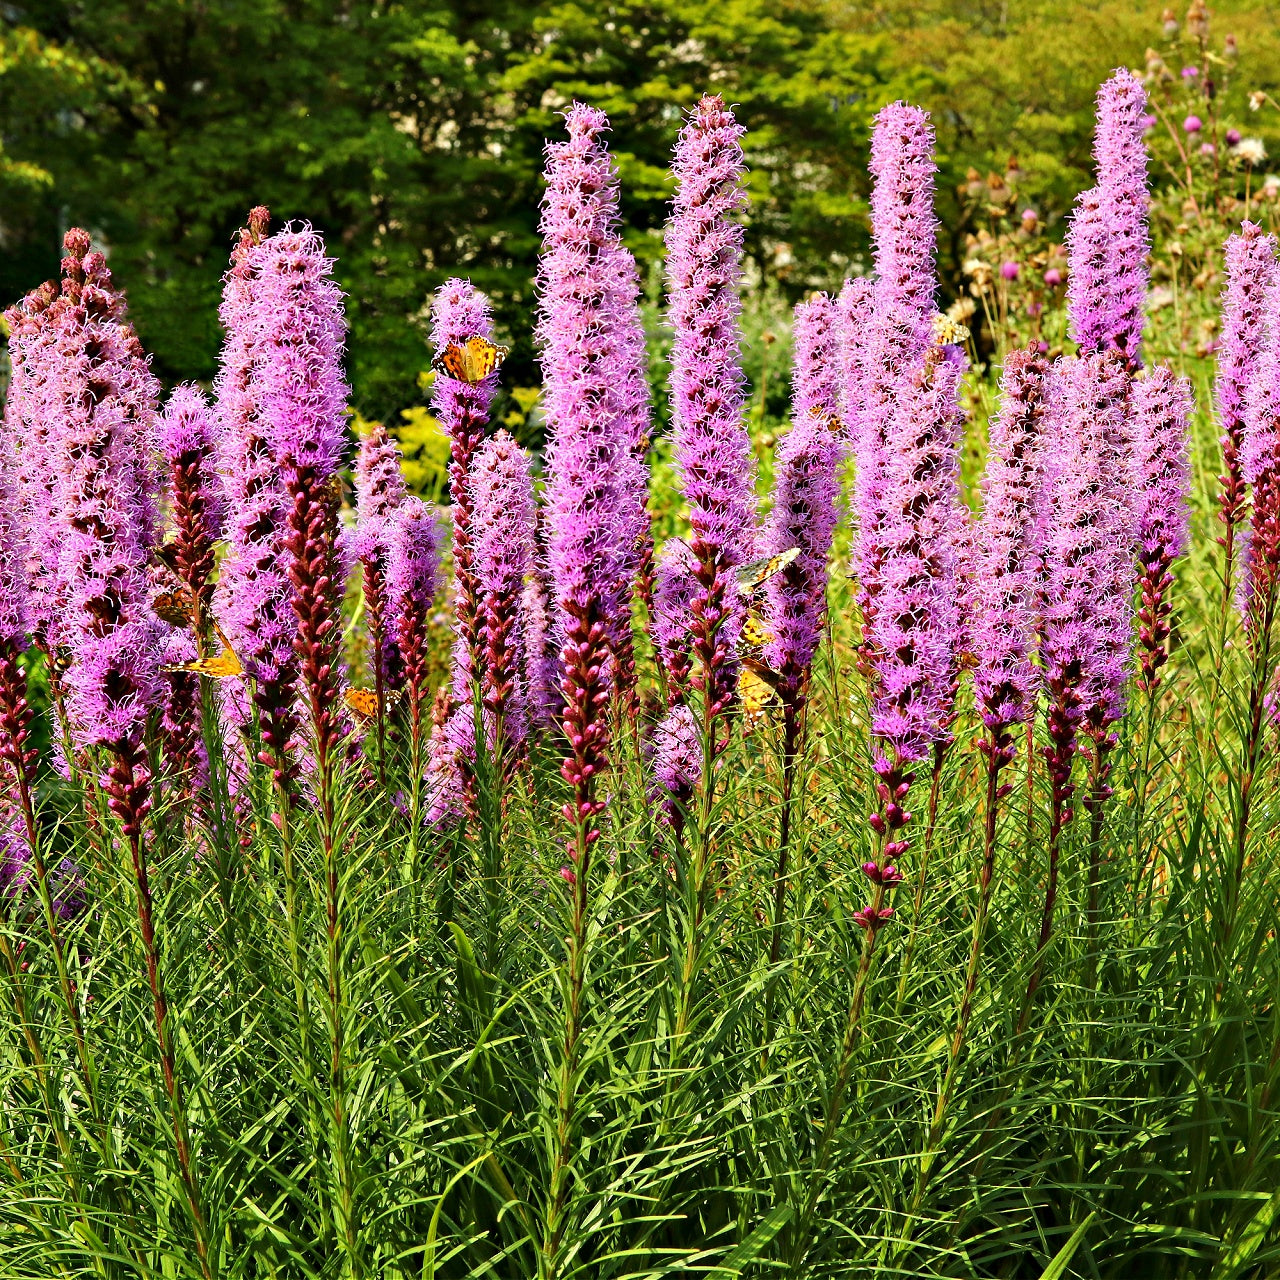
pixel 221 667
pixel 362 703
pixel 471 360
pixel 750 576
pixel 757 686
pixel 177 608
pixel 755 631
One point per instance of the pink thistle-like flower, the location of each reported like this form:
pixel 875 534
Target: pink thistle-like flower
pixel 1160 413
pixel 671 623
pixel 541 652
pixel 1003 594
pixel 675 756
pixel 806 493
pixel 188 443
pixel 1252 273
pixel 460 312
pixel 380 487
pixel 101 450
pixel 1261 467
pixel 30 416
pixel 1109 239
pixel 1192 124
pixel 414 545
pixel 252 598
pixel 712 449
pixel 504 553
pixel 1086 539
pixel 591 502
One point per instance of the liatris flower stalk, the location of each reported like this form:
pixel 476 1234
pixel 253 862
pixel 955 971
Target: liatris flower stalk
pixel 1160 412
pixel 503 554
pixel 676 760
pixel 302 401
pixel 107 400
pixel 803 516
pixel 1260 588
pixel 907 389
pixel 1251 275
pixel 252 598
pixel 380 490
pixel 1109 239
pixel 413 568
pixel 460 312
pixel 1086 539
pixel 29 418
pixel 712 449
pixel 671 622
pixel 188 445
pixel 590 532
pixel 540 651
pixel 1003 604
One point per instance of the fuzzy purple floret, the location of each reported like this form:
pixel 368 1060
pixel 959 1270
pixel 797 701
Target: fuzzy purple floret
pixel 909 497
pixel 676 757
pixel 541 653
pixel 712 449
pixel 414 544
pixel 1110 237
pixel 806 492
pixel 904 226
pixel 29 416
pixel 1002 598
pixel 673 597
pixel 1159 415
pixel 590 519
pixel 101 449
pixel 504 553
pixel 300 336
pixel 1252 272
pixel 187 430
pixel 14 588
pixel 380 486
pixel 253 592
pixel 1085 536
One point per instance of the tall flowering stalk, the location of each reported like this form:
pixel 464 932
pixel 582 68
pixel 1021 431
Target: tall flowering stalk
pixel 1110 237
pixel 459 312
pixel 188 445
pixel 503 554
pixel 803 516
pixel 1085 537
pixel 252 598
pixel 708 392
pixel 107 401
pixel 1251 275
pixel 1260 587
pixel 671 619
pixel 1003 607
pixel 907 397
pixel 1160 413
pixel 303 395
pixel 590 535
pixel 413 578
pixel 380 490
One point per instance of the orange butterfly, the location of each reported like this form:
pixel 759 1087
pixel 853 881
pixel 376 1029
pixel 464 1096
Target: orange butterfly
pixel 470 361
pixel 363 703
pixel 757 685
pixel 177 607
pixel 221 667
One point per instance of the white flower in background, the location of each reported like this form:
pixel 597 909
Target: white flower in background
pixel 1250 150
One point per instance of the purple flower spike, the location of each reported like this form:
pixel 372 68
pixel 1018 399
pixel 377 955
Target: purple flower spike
pixel 30 415
pixel 1251 276
pixel 904 226
pixel 712 448
pixel 1261 467
pixel 102 455
pixel 414 545
pixel 675 755
pixel 1110 237
pixel 460 312
pixel 1003 594
pixel 671 625
pixel 591 500
pixel 806 493
pixel 188 443
pixel 1086 542
pixel 1160 411
pixel 504 553
pixel 253 592
pixel 380 486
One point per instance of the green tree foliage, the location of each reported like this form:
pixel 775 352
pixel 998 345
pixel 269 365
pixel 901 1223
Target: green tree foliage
pixel 411 133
